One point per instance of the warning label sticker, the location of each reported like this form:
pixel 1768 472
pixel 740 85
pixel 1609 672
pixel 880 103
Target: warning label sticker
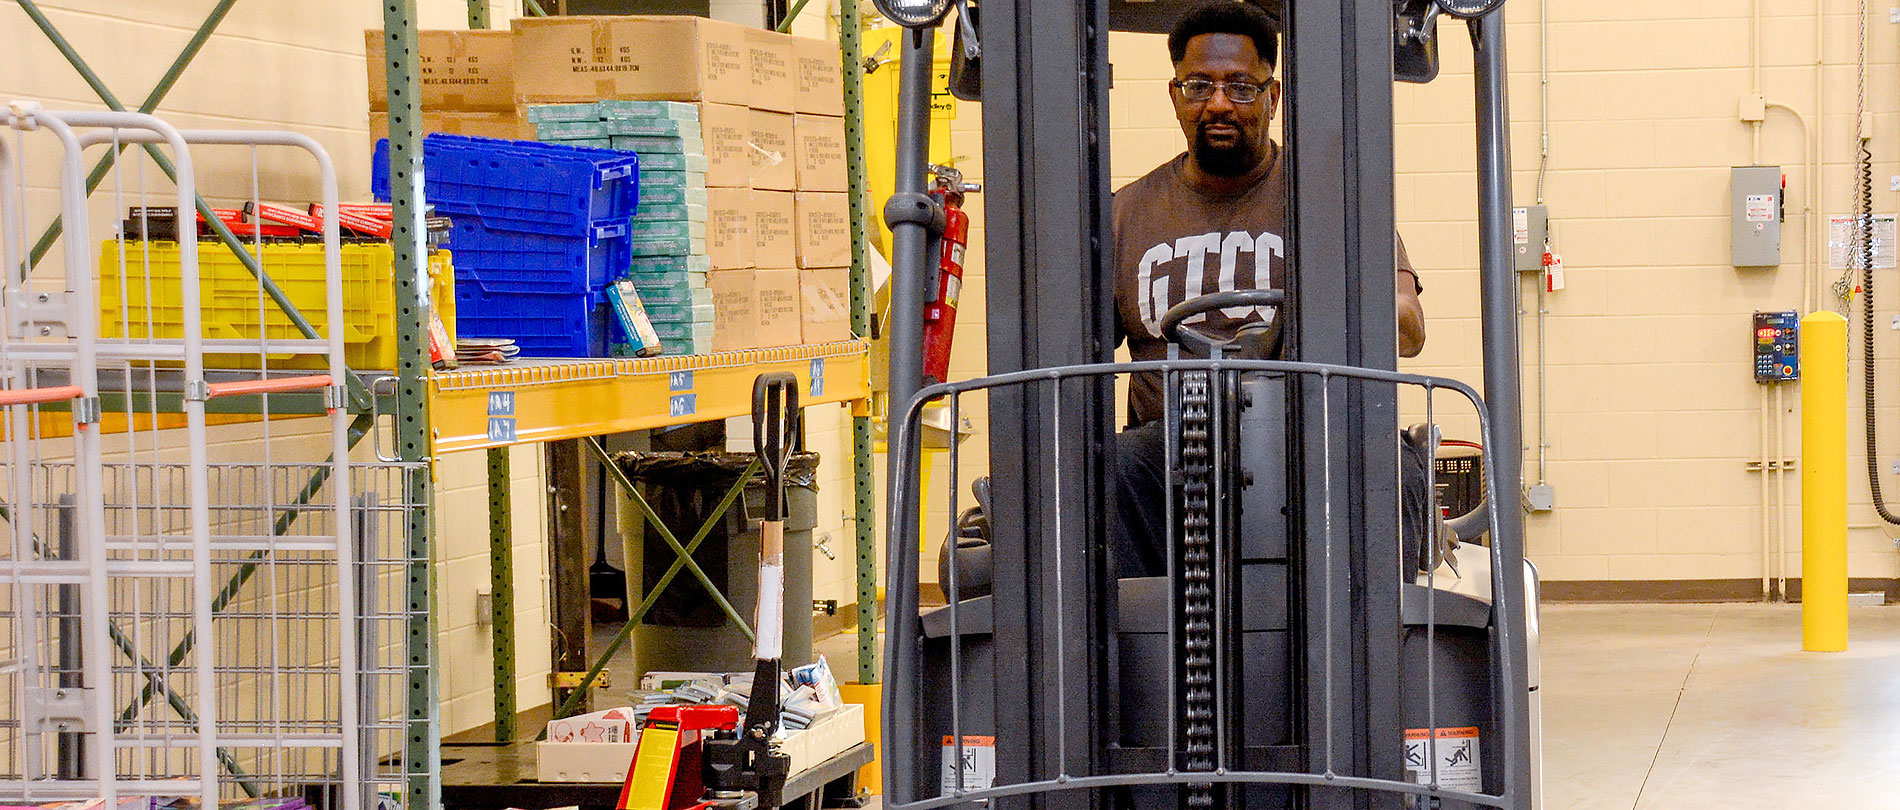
pixel 1843 241
pixel 1760 207
pixel 973 764
pixel 1455 750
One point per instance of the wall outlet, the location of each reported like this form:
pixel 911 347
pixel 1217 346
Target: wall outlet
pixel 1893 14
pixel 1893 182
pixel 484 608
pixel 1895 469
pixel 1895 323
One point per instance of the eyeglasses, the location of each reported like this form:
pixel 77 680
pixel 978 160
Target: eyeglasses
pixel 1203 89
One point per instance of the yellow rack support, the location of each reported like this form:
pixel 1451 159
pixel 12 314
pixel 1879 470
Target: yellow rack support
pixel 551 400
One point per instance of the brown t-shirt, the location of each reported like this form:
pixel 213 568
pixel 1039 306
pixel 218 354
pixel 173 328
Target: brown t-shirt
pixel 1174 242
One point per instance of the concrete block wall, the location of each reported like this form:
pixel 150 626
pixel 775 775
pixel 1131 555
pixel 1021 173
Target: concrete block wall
pixel 1652 415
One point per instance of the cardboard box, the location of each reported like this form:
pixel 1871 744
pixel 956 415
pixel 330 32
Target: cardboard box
pixel 823 225
pixel 583 762
pixel 465 71
pixel 735 309
pixel 825 296
pixel 779 310
pixel 609 762
pixel 630 57
pixel 769 139
pixel 820 153
pixel 726 129
pixel 607 726
pixel 730 244
pixel 819 70
pixel 773 86
pixel 478 124
pixel 772 227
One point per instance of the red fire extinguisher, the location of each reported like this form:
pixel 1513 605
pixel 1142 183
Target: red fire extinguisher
pixel 940 312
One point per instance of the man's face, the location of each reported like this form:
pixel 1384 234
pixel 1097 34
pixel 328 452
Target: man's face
pixel 1225 138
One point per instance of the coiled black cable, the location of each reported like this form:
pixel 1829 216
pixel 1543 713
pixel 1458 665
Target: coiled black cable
pixel 1864 250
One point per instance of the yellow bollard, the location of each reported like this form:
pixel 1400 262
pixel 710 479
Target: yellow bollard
pixel 1824 482
pixel 871 696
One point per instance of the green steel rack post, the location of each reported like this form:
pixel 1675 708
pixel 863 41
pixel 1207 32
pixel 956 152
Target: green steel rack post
pixel 501 554
pixel 501 579
pixel 422 739
pixel 849 41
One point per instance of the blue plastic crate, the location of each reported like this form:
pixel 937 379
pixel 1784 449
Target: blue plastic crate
pixel 499 260
pixel 542 325
pixel 551 189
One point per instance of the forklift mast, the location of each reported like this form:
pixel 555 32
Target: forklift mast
pixel 1045 79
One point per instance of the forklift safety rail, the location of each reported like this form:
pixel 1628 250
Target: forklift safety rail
pixel 1466 712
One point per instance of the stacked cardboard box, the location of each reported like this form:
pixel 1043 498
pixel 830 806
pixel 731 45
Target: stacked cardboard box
pixel 745 124
pixel 821 208
pixel 467 83
pixel 798 131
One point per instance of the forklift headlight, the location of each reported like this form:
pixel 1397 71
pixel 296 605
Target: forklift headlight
pixel 914 13
pixel 1469 9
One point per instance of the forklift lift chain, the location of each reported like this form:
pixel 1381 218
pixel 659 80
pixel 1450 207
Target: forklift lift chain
pixel 1197 572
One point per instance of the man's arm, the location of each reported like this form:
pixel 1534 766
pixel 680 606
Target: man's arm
pixel 1411 313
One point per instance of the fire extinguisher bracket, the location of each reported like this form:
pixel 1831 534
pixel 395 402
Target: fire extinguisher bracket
pixel 919 208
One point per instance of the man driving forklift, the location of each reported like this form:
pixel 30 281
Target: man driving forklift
pixel 1187 228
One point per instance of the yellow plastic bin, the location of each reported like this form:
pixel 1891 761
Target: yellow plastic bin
pixel 234 305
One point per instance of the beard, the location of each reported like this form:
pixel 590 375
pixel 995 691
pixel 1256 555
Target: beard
pixel 1224 161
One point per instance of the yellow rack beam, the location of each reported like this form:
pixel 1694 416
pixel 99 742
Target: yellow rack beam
pixel 550 400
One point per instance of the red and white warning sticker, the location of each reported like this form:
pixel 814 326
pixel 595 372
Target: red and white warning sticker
pixel 971 766
pixel 1456 752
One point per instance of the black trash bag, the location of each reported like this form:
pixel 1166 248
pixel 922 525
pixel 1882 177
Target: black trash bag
pixel 684 488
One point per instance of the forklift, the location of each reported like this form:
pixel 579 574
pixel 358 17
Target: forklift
pixel 1321 639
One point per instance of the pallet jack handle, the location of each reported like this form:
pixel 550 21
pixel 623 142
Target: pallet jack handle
pixel 775 425
pixel 775 417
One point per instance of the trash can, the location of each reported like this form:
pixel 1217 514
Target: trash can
pixel 1460 477
pixel 686 630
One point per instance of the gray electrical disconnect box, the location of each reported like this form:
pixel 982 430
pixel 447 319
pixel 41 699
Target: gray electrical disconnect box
pixel 1755 216
pixel 1530 228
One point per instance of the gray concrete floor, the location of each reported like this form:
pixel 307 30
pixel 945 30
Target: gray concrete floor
pixel 1685 707
pixel 1659 707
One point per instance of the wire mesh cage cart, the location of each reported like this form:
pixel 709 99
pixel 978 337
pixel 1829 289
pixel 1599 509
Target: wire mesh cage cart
pixel 202 596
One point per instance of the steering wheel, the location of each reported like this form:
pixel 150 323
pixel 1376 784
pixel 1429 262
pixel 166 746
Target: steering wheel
pixel 1174 323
